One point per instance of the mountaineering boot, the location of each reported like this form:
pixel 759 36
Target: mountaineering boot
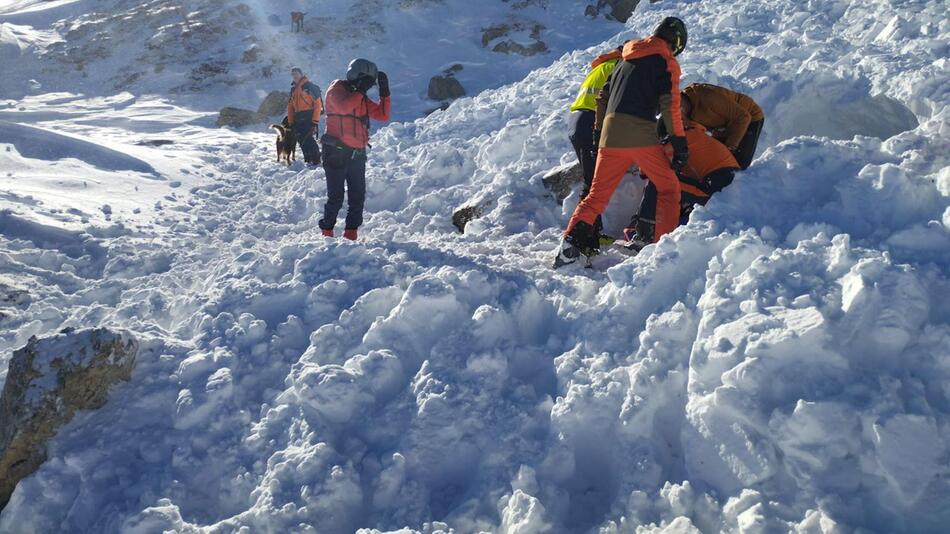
pixel 582 239
pixel 639 236
pixel 567 253
pixel 326 232
pixel 350 233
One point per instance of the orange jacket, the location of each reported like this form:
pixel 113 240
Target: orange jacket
pixel 706 155
pixel 603 58
pixel 717 107
pixel 349 112
pixel 305 102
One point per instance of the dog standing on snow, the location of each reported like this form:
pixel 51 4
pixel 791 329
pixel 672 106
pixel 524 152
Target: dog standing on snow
pixel 296 21
pixel 286 142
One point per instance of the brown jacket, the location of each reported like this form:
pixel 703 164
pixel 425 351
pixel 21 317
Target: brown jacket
pixel 717 107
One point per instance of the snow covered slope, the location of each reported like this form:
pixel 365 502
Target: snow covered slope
pixel 779 364
pixel 212 53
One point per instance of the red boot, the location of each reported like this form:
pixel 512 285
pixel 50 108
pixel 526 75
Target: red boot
pixel 350 233
pixel 327 233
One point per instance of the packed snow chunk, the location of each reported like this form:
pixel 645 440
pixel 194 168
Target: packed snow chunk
pixel 37 143
pixel 909 451
pixel 49 380
pixel 523 514
pixel 825 105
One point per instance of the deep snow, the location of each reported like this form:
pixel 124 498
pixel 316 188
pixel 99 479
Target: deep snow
pixel 779 364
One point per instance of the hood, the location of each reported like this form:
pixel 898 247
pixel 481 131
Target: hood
pixel 646 47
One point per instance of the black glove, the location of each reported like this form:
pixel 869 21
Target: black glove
pixel 680 152
pixel 365 83
pixel 596 140
pixel 383 81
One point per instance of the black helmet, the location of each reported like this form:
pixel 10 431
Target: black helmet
pixel 360 68
pixel 673 31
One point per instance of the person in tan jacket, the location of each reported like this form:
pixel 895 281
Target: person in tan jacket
pixel 734 118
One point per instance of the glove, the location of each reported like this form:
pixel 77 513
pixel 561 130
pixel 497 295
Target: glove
pixel 680 152
pixel 383 81
pixel 365 83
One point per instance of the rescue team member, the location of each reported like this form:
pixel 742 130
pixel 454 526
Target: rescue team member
pixel 710 168
pixel 303 114
pixel 349 111
pixel 734 117
pixel 583 112
pixel 646 81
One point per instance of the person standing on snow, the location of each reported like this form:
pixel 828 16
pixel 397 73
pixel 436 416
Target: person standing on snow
pixel 583 112
pixel 349 111
pixel 303 114
pixel 646 81
pixel 735 118
pixel 710 168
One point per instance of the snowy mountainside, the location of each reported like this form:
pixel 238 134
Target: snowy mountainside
pixel 779 364
pixel 232 52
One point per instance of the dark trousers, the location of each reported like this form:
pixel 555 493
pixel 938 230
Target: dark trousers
pixel 581 124
pixel 714 182
pixel 308 143
pixel 745 152
pixel 346 173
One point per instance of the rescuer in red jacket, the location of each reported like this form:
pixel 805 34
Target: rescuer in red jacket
pixel 348 112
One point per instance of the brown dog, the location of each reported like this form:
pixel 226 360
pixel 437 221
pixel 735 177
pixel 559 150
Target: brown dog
pixel 286 142
pixel 296 21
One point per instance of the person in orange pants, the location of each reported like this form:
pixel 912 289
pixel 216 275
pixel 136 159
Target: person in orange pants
pixel 646 80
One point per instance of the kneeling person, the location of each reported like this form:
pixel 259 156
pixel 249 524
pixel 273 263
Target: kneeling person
pixel 734 117
pixel 709 168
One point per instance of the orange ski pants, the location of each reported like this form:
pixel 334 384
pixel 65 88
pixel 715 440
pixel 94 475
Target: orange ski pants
pixel 612 164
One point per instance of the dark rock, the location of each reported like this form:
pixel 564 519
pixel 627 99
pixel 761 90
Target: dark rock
pixel 48 381
pixel 561 181
pixel 275 103
pixel 239 118
pixel 445 87
pixel 463 216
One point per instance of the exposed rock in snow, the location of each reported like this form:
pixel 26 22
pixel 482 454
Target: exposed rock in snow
pixel 620 10
pixel 522 38
pixel 274 104
pixel 48 381
pixel 463 216
pixel 239 118
pixel 446 87
pixel 562 180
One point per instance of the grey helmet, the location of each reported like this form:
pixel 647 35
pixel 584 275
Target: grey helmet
pixel 359 68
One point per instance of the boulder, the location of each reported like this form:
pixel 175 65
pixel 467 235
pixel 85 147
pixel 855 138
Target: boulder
pixel 239 118
pixel 561 181
pixel 620 10
pixel 48 381
pixel 462 216
pixel 445 88
pixel 252 54
pixel 275 103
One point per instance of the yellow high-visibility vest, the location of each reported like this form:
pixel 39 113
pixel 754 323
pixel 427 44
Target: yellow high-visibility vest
pixel 595 81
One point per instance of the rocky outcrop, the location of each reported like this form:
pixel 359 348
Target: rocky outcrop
pixel 620 10
pixel 522 38
pixel 275 103
pixel 463 216
pixel 239 118
pixel 445 87
pixel 561 181
pixel 48 381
